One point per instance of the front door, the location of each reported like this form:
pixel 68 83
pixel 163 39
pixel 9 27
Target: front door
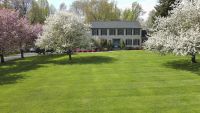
pixel 116 43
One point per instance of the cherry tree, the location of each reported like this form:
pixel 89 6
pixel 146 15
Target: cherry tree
pixel 26 34
pixel 23 29
pixel 179 33
pixel 15 32
pixel 63 31
pixel 34 32
pixel 8 21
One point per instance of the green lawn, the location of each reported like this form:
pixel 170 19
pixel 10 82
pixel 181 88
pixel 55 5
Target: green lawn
pixel 110 82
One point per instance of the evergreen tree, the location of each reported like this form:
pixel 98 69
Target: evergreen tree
pixel 164 7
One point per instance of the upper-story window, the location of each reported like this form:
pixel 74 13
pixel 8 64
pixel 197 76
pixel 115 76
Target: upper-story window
pixel 95 32
pixel 112 32
pixel 103 31
pixel 136 31
pixel 120 31
pixel 128 31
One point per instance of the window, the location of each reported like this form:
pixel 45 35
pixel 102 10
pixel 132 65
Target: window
pixel 120 31
pixel 95 32
pixel 112 32
pixel 103 31
pixel 129 42
pixel 136 42
pixel 128 31
pixel 137 31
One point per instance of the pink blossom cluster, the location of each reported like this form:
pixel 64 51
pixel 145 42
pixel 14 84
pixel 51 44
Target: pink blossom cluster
pixel 16 32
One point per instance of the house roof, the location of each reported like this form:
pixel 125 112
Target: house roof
pixel 115 24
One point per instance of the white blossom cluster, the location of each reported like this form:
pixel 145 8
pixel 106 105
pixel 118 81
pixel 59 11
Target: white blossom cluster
pixel 63 31
pixel 179 33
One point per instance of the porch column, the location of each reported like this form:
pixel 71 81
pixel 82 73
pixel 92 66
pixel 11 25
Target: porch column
pixel 124 32
pixel 140 32
pixel 140 38
pixel 132 31
pixel 132 42
pixel 99 30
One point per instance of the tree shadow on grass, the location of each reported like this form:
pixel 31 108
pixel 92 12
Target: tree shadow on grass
pixel 85 60
pixel 11 71
pixel 184 65
pixel 9 79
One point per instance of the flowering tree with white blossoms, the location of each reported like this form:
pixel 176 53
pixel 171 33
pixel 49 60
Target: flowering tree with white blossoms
pixel 179 33
pixel 63 31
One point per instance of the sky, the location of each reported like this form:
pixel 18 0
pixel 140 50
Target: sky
pixel 147 5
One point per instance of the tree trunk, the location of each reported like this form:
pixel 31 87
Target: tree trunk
pixel 22 53
pixel 70 57
pixel 69 52
pixel 43 51
pixel 193 59
pixel 2 58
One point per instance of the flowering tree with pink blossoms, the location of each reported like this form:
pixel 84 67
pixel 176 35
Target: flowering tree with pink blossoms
pixel 26 34
pixel 8 20
pixel 34 32
pixel 15 32
pixel 179 33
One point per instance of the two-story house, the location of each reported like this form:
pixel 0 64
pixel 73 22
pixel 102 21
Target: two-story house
pixel 117 31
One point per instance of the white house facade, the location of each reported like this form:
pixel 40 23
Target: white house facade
pixel 117 31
